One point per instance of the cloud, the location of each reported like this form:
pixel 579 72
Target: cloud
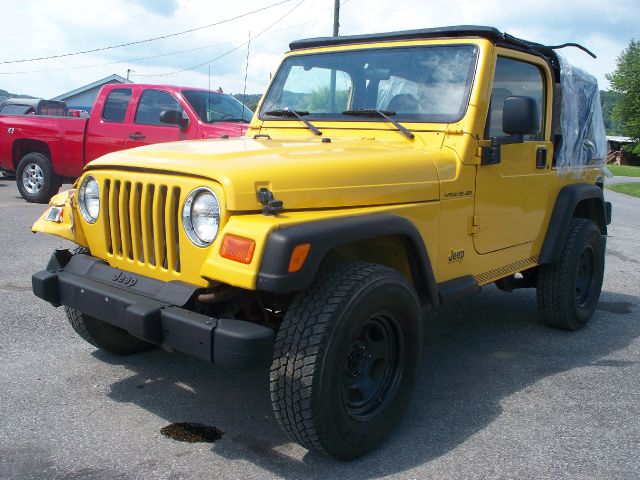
pixel 63 26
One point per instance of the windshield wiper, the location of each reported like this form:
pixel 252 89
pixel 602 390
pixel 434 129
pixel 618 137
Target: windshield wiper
pixel 285 112
pixel 372 112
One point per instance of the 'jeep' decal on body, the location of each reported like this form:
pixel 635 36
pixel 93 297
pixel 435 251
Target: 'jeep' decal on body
pixel 456 256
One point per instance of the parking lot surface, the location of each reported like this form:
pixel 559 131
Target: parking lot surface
pixel 499 396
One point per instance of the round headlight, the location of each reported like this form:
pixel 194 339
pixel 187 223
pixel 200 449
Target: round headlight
pixel 201 216
pixel 89 199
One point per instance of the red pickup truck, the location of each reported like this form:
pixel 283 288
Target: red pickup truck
pixel 43 151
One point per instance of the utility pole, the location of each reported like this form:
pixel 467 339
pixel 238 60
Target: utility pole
pixel 336 28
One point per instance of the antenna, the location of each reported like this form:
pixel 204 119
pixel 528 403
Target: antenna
pixel 244 92
pixel 332 80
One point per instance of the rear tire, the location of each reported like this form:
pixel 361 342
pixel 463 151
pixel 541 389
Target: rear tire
pixel 37 182
pixel 568 291
pixel 346 359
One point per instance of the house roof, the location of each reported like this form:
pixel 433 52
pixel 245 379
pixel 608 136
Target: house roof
pixel 613 138
pixel 98 83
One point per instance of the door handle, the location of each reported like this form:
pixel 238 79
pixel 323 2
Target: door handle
pixel 541 157
pixel 136 136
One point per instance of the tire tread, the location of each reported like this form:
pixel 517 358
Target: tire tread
pixel 297 351
pixel 554 281
pixel 51 186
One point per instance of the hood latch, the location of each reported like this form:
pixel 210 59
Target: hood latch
pixel 270 206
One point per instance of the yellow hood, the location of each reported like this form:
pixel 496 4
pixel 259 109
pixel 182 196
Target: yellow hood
pixel 301 173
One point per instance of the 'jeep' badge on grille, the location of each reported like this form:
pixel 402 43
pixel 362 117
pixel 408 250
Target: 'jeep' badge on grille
pixel 125 279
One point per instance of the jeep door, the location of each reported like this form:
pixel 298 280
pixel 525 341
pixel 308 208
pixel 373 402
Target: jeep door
pixel 512 196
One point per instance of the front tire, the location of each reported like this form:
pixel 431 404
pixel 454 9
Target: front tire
pixel 346 359
pixel 37 182
pixel 568 291
pixel 104 336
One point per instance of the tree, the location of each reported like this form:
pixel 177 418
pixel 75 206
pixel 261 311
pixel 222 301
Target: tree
pixel 250 99
pixel 625 80
pixel 608 101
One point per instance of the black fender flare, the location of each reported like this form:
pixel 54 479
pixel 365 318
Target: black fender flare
pixel 324 235
pixel 568 199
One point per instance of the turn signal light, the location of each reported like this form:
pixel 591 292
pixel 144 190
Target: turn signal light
pixel 238 249
pixel 298 257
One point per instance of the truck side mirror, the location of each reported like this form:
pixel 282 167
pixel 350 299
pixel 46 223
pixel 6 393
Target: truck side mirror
pixel 174 117
pixel 520 116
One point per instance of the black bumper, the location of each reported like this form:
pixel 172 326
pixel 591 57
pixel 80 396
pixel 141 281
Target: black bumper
pixel 152 310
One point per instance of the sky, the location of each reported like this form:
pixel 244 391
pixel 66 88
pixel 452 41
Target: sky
pixel 223 53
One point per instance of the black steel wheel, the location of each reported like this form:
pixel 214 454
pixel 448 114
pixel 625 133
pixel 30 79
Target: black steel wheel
pixel 584 276
pixel 372 366
pixel 568 291
pixel 346 359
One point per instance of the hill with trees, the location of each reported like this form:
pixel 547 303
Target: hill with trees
pixel 4 94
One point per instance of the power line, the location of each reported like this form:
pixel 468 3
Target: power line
pixel 130 60
pixel 228 51
pixel 137 42
pixel 139 59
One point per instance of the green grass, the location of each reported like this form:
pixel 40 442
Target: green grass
pixel 624 170
pixel 632 189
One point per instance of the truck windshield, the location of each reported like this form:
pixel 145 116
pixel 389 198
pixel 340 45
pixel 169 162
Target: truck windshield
pixel 417 84
pixel 217 107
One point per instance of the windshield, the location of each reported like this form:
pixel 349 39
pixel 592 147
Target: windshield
pixel 418 84
pixel 217 107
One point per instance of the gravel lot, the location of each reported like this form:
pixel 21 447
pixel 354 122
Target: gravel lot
pixel 500 396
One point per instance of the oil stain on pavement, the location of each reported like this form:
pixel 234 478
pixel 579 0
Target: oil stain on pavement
pixel 192 432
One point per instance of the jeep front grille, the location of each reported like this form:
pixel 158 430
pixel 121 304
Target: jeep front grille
pixel 142 220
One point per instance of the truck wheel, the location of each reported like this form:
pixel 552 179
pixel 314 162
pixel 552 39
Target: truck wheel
pixel 346 359
pixel 568 290
pixel 37 182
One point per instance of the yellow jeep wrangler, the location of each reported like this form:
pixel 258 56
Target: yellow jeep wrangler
pixel 381 174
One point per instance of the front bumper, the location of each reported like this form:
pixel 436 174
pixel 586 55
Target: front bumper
pixel 152 310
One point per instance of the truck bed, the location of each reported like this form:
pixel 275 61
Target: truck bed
pixel 61 137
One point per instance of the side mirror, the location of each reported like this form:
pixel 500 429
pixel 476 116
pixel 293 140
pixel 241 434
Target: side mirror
pixel 520 116
pixel 174 117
